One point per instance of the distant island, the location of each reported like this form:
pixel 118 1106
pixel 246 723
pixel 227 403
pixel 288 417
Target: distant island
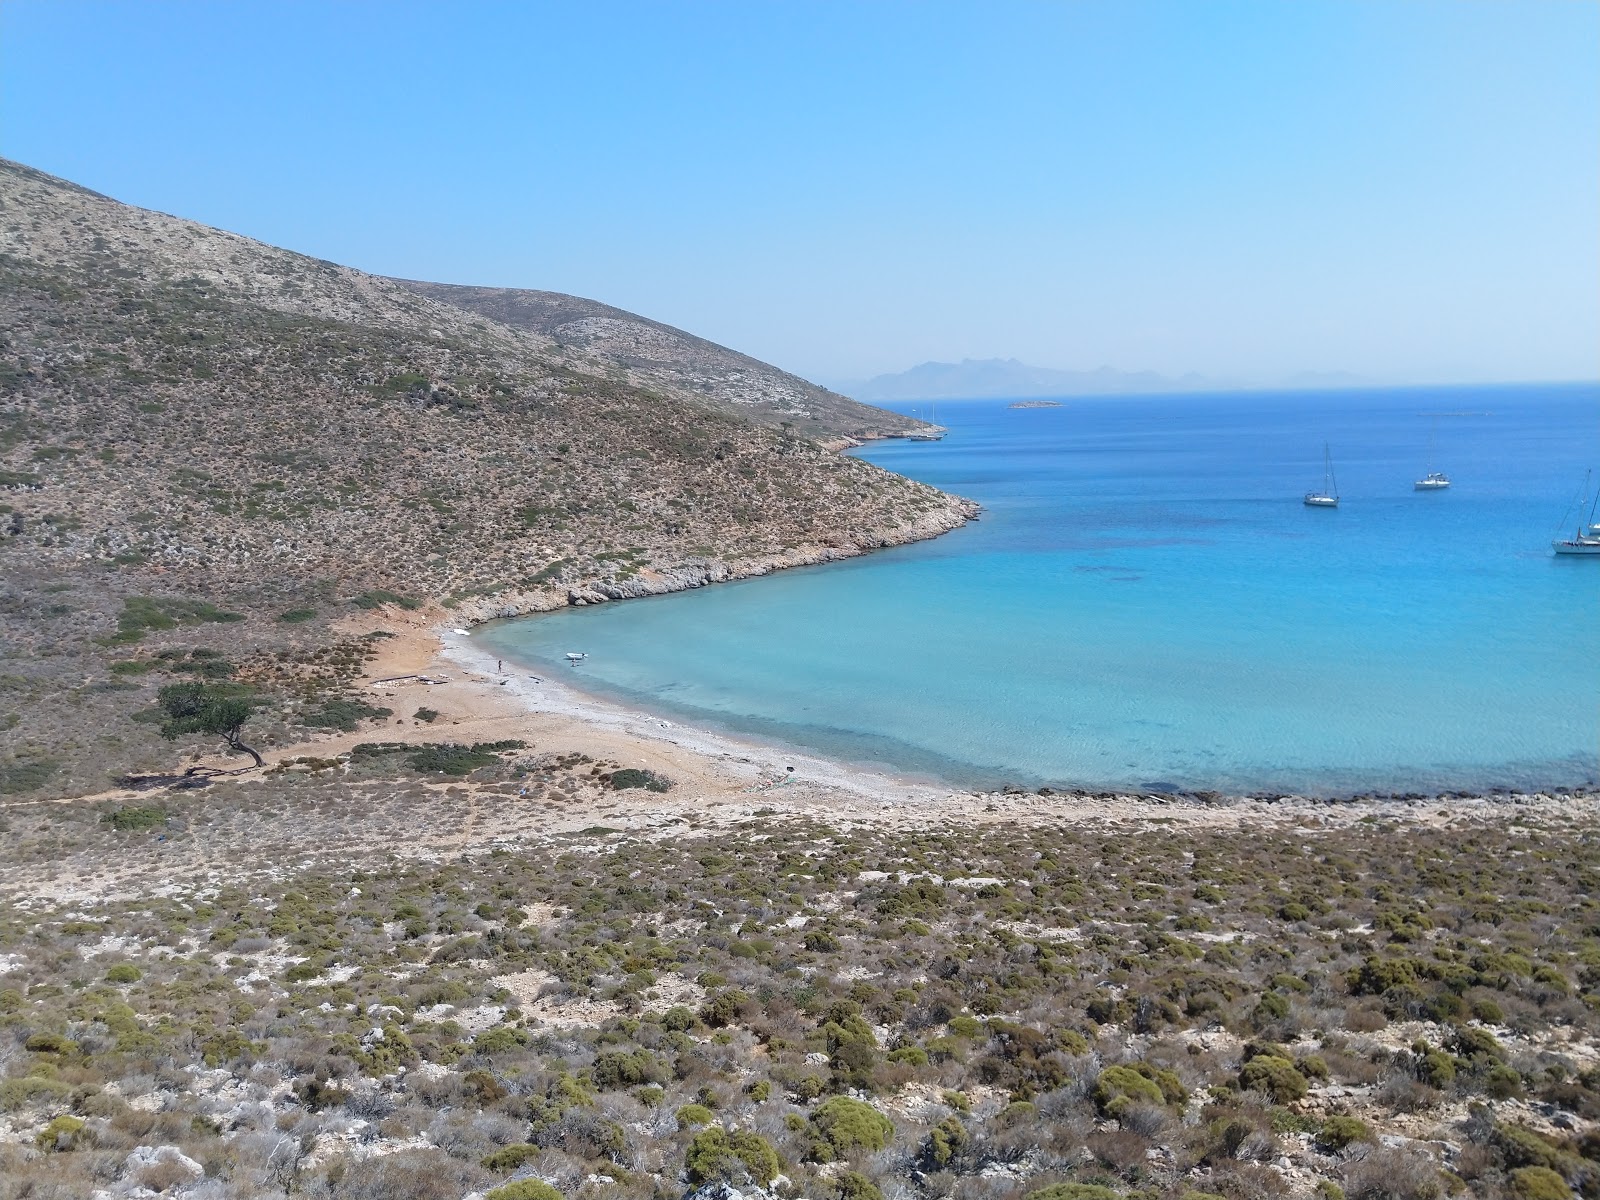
pixel 999 378
pixel 1007 378
pixel 1035 404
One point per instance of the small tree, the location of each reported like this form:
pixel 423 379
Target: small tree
pixel 218 709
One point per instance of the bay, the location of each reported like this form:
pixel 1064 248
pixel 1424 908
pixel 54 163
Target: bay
pixel 1147 603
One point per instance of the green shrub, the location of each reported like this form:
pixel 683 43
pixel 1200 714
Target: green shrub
pixel 1538 1183
pixel 426 715
pixel 723 1007
pixel 24 1090
pixel 378 597
pixel 500 1040
pixel 1502 1082
pixel 25 775
pixel 61 1134
pixel 853 1185
pixel 523 1189
pixel 635 777
pixel 843 1126
pixel 1271 1007
pixel 1436 1069
pixel 967 1027
pixel 735 1157
pixel 510 1157
pixel 444 758
pixel 50 1043
pixel 1118 1088
pixel 126 819
pixel 946 1142
pixel 1275 1076
pixel 297 616
pixel 1476 1044
pixel 123 973
pixel 1073 1191
pixel 692 1116
pixel 142 614
pixel 1018 1112
pixel 1377 975
pixel 344 714
pixel 621 1068
pixel 1338 1132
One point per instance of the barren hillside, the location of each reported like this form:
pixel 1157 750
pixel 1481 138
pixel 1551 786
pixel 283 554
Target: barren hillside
pixel 193 417
pixel 657 356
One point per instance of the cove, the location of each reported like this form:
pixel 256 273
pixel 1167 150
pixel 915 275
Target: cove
pixel 1147 602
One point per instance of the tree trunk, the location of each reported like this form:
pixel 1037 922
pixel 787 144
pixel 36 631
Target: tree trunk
pixel 239 747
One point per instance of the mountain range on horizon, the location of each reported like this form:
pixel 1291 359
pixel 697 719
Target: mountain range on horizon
pixel 995 378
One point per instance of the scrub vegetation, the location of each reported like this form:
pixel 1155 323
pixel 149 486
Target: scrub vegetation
pixel 1394 1009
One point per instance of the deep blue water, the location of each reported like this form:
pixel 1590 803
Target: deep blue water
pixel 1146 600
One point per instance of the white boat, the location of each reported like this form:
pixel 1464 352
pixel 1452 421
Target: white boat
pixel 1433 481
pixel 1328 497
pixel 575 658
pixel 1586 540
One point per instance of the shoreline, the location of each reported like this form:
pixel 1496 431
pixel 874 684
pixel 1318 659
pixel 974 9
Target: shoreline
pixel 746 759
pixel 870 777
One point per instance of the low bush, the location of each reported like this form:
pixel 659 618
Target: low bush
pixel 732 1157
pixel 842 1126
pixel 378 597
pixel 1338 1132
pixel 129 818
pixel 1277 1077
pixel 1538 1183
pixel 637 777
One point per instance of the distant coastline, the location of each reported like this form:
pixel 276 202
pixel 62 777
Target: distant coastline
pixel 1035 404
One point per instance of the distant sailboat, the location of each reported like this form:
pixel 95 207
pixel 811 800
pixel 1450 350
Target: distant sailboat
pixel 1328 497
pixel 1433 481
pixel 1587 538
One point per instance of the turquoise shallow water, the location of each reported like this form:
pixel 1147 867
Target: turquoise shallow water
pixel 1146 601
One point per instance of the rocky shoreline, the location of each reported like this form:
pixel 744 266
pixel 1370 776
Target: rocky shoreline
pixel 699 572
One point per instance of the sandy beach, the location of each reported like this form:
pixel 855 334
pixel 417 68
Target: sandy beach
pixel 722 778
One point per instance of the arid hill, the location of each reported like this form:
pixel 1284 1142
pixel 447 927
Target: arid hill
pixel 194 418
pixel 656 356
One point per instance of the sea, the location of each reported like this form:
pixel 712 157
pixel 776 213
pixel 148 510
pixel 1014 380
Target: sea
pixel 1146 603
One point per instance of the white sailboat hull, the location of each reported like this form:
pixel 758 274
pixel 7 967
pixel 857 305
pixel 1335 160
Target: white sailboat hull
pixel 1314 501
pixel 1431 485
pixel 1577 546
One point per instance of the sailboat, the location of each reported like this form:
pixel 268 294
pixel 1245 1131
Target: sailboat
pixel 1587 538
pixel 1433 481
pixel 1328 497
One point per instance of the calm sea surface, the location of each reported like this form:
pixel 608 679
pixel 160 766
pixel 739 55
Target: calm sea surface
pixel 1146 601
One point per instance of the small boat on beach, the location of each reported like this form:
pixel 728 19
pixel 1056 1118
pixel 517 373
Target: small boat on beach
pixel 1586 540
pixel 1328 497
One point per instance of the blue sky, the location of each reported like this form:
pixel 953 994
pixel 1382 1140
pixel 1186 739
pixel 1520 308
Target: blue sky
pixel 1397 188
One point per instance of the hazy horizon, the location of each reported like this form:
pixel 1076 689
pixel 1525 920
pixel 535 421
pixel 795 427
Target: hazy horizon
pixel 1244 190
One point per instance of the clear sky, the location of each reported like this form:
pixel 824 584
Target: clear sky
pixel 1397 188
